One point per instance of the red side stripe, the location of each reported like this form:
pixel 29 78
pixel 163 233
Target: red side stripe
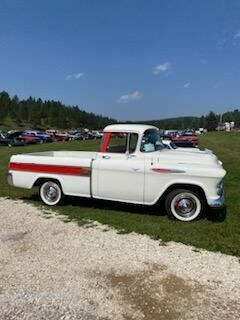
pixel 46 168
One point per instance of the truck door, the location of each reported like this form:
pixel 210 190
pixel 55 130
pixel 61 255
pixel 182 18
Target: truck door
pixel 120 170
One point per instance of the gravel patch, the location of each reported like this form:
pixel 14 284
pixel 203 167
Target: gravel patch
pixel 55 270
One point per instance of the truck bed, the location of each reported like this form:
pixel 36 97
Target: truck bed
pixel 64 154
pixel 72 168
pixel 56 157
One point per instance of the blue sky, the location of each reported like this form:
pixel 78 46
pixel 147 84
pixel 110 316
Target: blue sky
pixel 128 59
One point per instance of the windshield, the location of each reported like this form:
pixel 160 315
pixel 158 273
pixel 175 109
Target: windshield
pixel 151 141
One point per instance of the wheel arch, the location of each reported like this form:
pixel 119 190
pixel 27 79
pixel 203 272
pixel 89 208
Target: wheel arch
pixel 40 180
pixel 192 187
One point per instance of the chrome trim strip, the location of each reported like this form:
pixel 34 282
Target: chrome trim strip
pixel 165 170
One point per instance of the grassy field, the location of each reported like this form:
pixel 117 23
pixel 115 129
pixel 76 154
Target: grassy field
pixel 219 231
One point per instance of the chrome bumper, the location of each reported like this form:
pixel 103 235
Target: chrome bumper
pixel 218 203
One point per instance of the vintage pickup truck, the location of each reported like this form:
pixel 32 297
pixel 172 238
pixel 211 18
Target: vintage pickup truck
pixel 132 166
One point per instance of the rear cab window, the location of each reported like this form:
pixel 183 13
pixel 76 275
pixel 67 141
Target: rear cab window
pixel 120 142
pixel 117 143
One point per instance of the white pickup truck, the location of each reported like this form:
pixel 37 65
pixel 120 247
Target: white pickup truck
pixel 132 166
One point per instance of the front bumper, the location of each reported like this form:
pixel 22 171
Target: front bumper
pixel 218 203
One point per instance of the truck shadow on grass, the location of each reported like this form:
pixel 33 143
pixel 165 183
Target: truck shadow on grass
pixel 213 215
pixel 115 206
pixel 216 215
pixel 96 204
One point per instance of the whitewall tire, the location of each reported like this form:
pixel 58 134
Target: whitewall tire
pixel 184 205
pixel 51 193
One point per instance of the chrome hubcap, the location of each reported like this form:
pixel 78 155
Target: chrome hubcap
pixel 50 192
pixel 185 206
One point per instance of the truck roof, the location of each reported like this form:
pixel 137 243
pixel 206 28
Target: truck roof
pixel 139 128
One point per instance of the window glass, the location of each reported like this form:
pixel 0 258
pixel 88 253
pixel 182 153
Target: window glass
pixel 173 145
pixel 117 143
pixel 151 141
pixel 133 142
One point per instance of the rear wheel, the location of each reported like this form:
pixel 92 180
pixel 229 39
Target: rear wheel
pixel 51 193
pixel 184 205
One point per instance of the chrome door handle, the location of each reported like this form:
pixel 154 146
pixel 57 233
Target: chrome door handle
pixel 106 157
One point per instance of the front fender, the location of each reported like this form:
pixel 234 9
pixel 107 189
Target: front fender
pixel 207 187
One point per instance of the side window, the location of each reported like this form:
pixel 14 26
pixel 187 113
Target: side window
pixel 117 143
pixel 133 142
pixel 151 141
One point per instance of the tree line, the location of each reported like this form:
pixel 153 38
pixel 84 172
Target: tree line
pixel 48 114
pixel 210 121
pixel 55 114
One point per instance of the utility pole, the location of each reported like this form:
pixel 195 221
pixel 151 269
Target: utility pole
pixel 220 118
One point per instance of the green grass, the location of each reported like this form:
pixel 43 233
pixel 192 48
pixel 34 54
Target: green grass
pixel 219 231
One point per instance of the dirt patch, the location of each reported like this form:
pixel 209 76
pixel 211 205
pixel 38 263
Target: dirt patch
pixel 154 295
pixel 17 236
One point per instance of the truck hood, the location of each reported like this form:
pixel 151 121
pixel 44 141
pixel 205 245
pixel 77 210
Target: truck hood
pixel 194 163
pixel 183 157
pixel 195 150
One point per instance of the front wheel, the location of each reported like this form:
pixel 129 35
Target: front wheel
pixel 184 205
pixel 51 193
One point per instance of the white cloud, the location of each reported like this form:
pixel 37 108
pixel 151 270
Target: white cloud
pixel 135 96
pixel 187 84
pixel 162 68
pixel 78 75
pixel 74 76
pixel 203 61
pixel 236 35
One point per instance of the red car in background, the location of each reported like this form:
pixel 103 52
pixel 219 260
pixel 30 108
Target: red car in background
pixel 60 137
pixel 188 137
pixel 28 138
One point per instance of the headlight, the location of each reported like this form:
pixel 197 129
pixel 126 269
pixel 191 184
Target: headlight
pixel 220 188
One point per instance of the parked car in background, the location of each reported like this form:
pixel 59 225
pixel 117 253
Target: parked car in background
pixel 77 135
pixel 97 134
pixel 73 136
pixel 191 137
pixel 50 132
pixel 136 168
pixel 81 135
pixel 60 136
pixel 29 139
pixel 11 139
pixel 177 143
pixel 90 136
pixel 170 132
pixel 183 143
pixel 42 136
